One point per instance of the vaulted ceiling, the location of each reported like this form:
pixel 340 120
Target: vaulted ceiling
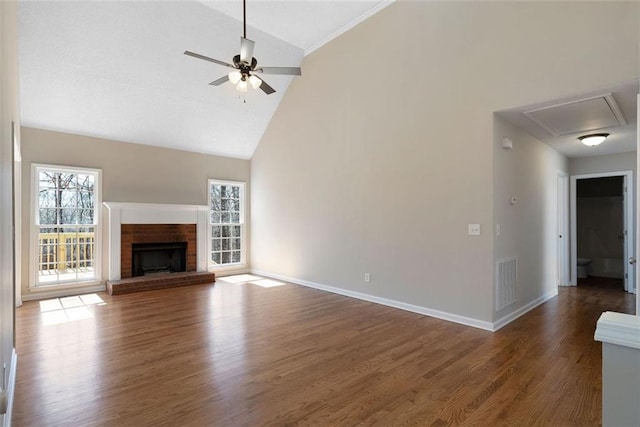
pixel 116 70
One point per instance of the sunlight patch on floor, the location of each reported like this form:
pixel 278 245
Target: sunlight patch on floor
pixel 239 278
pixel 267 283
pixel 68 309
pixel 244 279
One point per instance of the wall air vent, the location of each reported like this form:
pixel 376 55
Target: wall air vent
pixel 579 116
pixel 506 279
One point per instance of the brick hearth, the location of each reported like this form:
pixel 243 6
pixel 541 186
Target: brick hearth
pixel 158 281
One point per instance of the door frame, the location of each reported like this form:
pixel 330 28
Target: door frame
pixel 629 248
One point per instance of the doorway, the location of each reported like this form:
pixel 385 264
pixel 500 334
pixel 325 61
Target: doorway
pixel 602 230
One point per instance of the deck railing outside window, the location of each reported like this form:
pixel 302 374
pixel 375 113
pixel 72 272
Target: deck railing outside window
pixel 65 255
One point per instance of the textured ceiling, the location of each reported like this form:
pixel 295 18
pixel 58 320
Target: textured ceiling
pixel 307 24
pixel 116 70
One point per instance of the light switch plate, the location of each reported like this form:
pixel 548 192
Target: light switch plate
pixel 474 229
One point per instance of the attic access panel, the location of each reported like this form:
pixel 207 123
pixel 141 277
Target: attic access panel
pixel 578 116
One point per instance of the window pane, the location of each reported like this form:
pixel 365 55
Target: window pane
pixel 215 231
pixel 215 191
pixel 234 218
pixel 215 244
pixel 226 258
pixel 236 243
pixel 69 216
pixel 46 179
pixel 236 231
pixel 215 204
pixel 85 200
pixel 85 216
pixel 215 218
pixel 86 182
pixel 48 216
pixel 47 198
pixel 226 244
pixel 225 217
pixel 215 257
pixel 226 231
pixel 236 256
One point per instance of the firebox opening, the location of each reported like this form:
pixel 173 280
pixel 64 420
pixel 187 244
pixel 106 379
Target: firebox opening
pixel 153 258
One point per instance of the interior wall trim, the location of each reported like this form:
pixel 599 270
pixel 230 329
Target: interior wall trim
pixel 505 320
pixel 467 321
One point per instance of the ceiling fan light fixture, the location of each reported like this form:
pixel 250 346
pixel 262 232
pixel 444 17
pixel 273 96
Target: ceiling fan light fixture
pixel 242 85
pixel 593 139
pixel 255 81
pixel 235 77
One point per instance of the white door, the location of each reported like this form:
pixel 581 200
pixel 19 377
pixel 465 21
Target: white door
pixel 562 233
pixel 629 249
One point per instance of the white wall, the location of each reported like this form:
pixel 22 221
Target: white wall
pixel 130 173
pixel 9 112
pixel 601 164
pixel 382 153
pixel 528 229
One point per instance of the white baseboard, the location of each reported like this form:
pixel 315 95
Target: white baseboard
pixel 62 292
pixel 11 387
pixel 468 321
pixel 523 310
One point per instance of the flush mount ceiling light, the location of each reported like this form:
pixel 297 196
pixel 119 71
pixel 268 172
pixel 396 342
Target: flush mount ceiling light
pixel 593 139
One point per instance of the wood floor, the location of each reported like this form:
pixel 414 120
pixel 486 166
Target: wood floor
pixel 244 354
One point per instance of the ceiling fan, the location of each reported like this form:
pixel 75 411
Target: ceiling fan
pixel 245 65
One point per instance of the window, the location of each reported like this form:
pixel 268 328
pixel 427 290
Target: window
pixel 226 201
pixel 66 246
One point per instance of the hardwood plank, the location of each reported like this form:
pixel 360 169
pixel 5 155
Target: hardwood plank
pixel 242 354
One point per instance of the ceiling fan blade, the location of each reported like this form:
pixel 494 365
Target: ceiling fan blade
pixel 246 50
pixel 266 88
pixel 218 82
pixel 290 71
pixel 206 58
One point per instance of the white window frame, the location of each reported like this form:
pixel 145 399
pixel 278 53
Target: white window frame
pixel 97 225
pixel 242 224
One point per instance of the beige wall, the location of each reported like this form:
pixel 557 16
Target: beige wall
pixel 382 153
pixel 528 228
pixel 9 112
pixel 130 173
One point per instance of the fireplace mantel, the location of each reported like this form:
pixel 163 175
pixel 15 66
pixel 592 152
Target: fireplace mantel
pixel 151 213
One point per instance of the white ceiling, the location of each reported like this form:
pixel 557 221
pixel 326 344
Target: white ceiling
pixel 116 69
pixel 560 122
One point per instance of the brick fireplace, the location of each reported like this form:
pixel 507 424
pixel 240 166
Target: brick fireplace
pixel 137 234
pixel 131 223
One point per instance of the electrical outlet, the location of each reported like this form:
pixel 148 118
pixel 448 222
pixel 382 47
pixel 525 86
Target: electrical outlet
pixel 367 277
pixel 474 229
